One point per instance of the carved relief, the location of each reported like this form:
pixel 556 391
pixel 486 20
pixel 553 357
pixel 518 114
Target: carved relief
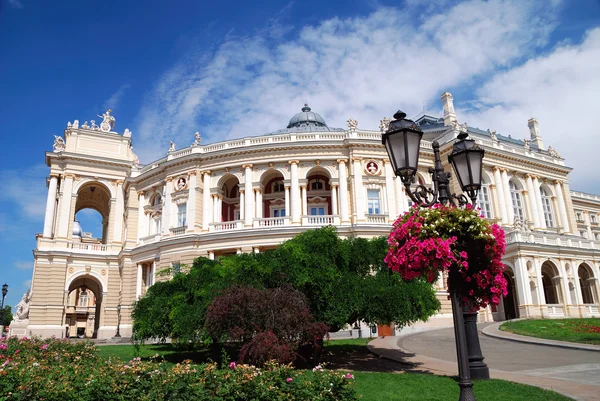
pixel 372 167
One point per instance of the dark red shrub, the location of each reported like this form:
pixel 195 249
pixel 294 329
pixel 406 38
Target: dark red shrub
pixel 265 346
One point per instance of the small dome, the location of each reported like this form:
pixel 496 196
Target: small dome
pixel 77 229
pixel 306 118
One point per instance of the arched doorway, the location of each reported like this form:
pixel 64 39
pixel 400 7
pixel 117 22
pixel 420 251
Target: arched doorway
pixel 93 208
pixel 230 205
pixel 274 195
pixel 511 301
pixel 587 284
pixel 551 282
pixel 82 309
pixel 316 196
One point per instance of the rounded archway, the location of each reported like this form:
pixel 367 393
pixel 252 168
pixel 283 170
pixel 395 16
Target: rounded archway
pixel 551 282
pixel 93 207
pixel 230 204
pixel 317 195
pixel 274 195
pixel 510 302
pixel 83 306
pixel 587 284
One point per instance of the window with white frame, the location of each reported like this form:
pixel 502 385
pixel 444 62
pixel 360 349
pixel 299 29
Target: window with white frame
pixel 373 201
pixel 484 201
pixel 579 216
pixel 155 224
pixel 517 201
pixel 593 218
pixel 316 185
pixel 583 233
pixel 278 212
pixel 317 211
pixel 547 207
pixel 278 186
pixel 84 298
pixel 176 268
pixel 181 214
pixel 597 236
pixel 236 214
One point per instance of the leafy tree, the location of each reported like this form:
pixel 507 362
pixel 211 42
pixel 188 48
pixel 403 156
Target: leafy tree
pixel 7 316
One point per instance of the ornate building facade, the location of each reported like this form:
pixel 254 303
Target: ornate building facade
pixel 250 194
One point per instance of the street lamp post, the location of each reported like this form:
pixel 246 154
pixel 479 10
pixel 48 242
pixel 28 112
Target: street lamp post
pixel 4 292
pixel 118 320
pixel 403 141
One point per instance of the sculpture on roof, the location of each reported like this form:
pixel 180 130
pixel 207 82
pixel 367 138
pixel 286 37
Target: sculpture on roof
pixel 384 124
pixel 23 307
pixel 85 125
pixel 553 152
pixel 69 125
pixel 59 144
pixel 127 133
pixel 94 125
pixel 352 124
pixel 136 161
pixel 171 146
pixel 527 144
pixel 198 138
pixel 493 135
pixel 108 121
pixel 75 124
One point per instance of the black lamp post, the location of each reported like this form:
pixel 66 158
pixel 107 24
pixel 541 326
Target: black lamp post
pixel 4 292
pixel 118 320
pixel 403 141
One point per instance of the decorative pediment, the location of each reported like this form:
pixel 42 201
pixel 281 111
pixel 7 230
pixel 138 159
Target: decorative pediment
pixel 180 197
pixel 277 202
pixel 317 200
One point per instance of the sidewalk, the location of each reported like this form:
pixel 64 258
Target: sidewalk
pixel 387 347
pixel 493 330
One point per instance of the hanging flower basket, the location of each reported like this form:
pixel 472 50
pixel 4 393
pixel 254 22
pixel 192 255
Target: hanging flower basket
pixel 427 241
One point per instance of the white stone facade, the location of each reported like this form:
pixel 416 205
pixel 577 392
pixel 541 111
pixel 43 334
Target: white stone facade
pixel 250 194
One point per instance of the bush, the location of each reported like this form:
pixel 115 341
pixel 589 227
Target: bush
pixel 271 324
pixel 36 370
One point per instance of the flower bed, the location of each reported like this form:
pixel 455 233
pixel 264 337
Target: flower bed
pixel 34 369
pixel 426 241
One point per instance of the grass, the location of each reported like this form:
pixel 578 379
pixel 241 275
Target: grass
pixel 370 386
pixel 586 331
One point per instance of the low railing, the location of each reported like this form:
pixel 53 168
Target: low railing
pixel 88 247
pixel 150 239
pixel 226 226
pixel 377 218
pixel 546 238
pixel 271 222
pixel 318 220
pixel 591 309
pixel 555 310
pixel 178 230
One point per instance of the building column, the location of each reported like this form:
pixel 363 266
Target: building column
pixel 50 206
pixel 588 224
pixel 496 213
pixel 334 201
pixel 295 191
pixel 343 191
pixel 65 206
pixel 211 255
pixel 166 213
pixel 538 201
pixel 215 208
pixel 532 202
pixel 577 284
pixel 138 290
pixel 191 203
pixel 259 204
pixel 510 213
pixel 359 190
pixel 219 208
pixel 389 190
pixel 249 209
pixel 562 210
pixel 565 285
pixel 287 200
pixel 401 204
pixel 500 198
pixel 118 214
pixel 304 200
pixel 242 204
pixel 206 201
pixel 142 219
pixel 522 282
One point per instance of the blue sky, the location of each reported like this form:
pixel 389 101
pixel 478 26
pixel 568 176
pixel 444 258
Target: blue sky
pixel 231 69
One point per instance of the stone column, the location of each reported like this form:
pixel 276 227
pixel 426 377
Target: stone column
pixel 65 207
pixel 565 285
pixel 343 191
pixel 206 201
pixel 138 289
pixel 577 283
pixel 287 200
pixel 334 202
pixel 500 198
pixel 220 208
pixel 588 224
pixel 167 207
pixel 295 191
pixel 191 203
pixel 527 204
pixel 242 204
pixel 538 201
pixel 532 202
pixel 359 190
pixel 118 214
pixel 389 190
pixel 401 204
pixel 50 206
pixel 522 282
pixel 249 217
pixel 259 204
pixel 142 218
pixel 562 210
pixel 304 200
pixel 216 208
pixel 495 203
pixel 510 214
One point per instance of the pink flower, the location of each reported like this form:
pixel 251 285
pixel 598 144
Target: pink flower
pixel 288 380
pixel 232 365
pixel 349 376
pixel 44 346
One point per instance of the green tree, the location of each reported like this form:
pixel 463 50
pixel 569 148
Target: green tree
pixel 7 316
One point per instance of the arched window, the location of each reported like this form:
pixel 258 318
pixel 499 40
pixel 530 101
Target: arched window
pixel 547 207
pixel 316 185
pixel 278 186
pixel 484 201
pixel 517 201
pixel 84 297
pixel 157 200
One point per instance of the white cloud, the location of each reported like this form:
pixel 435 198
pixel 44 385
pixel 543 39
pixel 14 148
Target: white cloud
pixel 560 90
pixel 24 264
pixel 27 284
pixel 26 188
pixel 363 67
pixel 113 101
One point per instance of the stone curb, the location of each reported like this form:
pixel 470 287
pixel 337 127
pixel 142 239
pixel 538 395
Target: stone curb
pixel 493 331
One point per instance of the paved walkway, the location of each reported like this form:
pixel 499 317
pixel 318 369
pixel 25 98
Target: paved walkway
pixel 575 373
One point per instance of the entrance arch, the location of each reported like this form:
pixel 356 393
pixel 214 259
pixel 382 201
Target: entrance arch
pixel 510 302
pixel 83 307
pixel 95 196
pixel 551 282
pixel 587 284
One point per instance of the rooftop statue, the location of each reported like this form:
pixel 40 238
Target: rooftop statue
pixel 198 138
pixel 384 124
pixel 59 144
pixel 75 124
pixel 94 125
pixel 352 124
pixel 171 146
pixel 108 121
pixel 553 152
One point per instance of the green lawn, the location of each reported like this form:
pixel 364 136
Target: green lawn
pixel 371 386
pixel 585 331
